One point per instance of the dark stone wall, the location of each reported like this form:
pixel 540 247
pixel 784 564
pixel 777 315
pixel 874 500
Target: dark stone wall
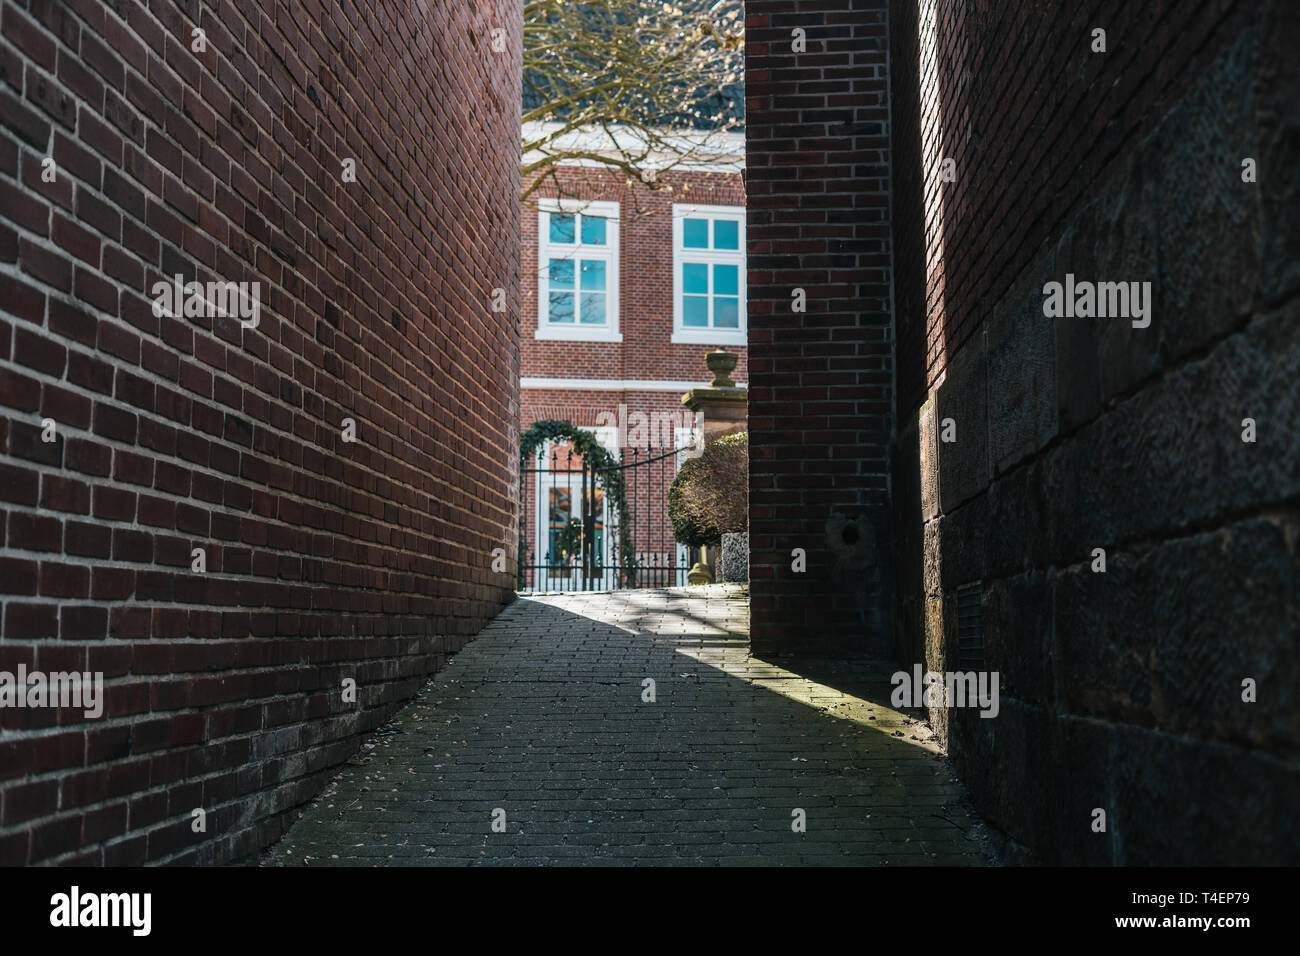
pixel 1120 690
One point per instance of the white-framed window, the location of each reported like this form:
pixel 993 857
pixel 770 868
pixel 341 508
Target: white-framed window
pixel 577 270
pixel 708 274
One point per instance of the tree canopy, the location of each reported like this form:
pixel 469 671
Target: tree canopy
pixel 639 86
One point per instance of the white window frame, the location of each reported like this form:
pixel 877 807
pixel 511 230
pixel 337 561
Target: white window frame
pixel 685 438
pixel 607 436
pixel 683 335
pixel 609 253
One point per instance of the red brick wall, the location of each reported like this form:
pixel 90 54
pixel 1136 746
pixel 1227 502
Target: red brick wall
pixel 1013 93
pixel 821 395
pixel 325 560
pixel 646 280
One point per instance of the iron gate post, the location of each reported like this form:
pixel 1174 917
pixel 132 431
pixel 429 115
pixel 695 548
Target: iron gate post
pixel 587 524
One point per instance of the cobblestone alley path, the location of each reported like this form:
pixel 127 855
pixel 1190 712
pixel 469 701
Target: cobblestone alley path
pixel 545 716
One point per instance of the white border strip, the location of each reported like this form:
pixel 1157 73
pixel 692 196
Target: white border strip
pixel 614 384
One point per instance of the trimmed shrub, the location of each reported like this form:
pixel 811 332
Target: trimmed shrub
pixel 710 495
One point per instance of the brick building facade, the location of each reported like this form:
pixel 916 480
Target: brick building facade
pixel 1101 510
pixel 134 149
pixel 646 352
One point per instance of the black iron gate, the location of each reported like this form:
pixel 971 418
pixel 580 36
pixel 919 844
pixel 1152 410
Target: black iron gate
pixel 587 527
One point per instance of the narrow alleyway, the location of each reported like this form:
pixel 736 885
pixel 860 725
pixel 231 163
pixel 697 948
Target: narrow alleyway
pixel 546 716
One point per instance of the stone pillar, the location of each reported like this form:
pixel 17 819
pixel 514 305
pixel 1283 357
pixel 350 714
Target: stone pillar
pixel 720 407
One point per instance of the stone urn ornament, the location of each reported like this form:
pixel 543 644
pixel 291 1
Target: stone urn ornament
pixel 721 362
pixel 701 572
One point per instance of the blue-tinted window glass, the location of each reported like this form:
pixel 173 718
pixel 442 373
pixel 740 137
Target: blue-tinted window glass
pixel 561 227
pixel 593 276
pixel 593 308
pixel 695 233
pixel 695 310
pixel 726 234
pixel 561 307
pixel 561 274
pixel 593 230
pixel 726 313
pixel 695 278
pixel 726 280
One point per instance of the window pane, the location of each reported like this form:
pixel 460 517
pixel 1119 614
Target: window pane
pixel 726 313
pixel 695 311
pixel 695 233
pixel 561 274
pixel 561 227
pixel 695 278
pixel 593 230
pixel 593 308
pixel 561 307
pixel 726 234
pixel 593 275
pixel 726 280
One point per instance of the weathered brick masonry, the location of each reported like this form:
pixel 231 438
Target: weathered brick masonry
pixel 1120 690
pixel 326 560
pixel 821 380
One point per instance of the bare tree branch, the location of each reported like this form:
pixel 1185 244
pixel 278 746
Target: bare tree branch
pixel 638 86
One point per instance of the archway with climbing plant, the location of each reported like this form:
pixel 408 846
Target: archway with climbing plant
pixel 602 463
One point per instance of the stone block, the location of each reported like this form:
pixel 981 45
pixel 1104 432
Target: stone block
pixel 1123 246
pixel 932 558
pixel 1174 455
pixel 928 460
pixel 1183 802
pixel 1010 770
pixel 1165 638
pixel 1078 516
pixel 1021 390
pixel 1277 141
pixel 1078 369
pixel 1085 749
pixel 1221 607
pixel 733 564
pixel 1180 217
pixel 964 542
pixel 1017 636
pixel 1101 674
pixel 1018 519
pixel 961 411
